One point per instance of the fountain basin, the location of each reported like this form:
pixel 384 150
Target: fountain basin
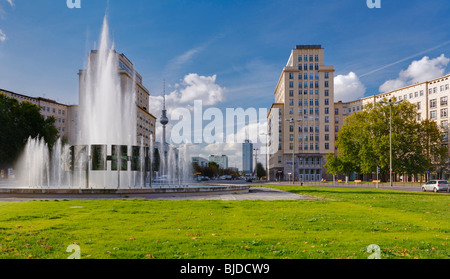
pixel 191 189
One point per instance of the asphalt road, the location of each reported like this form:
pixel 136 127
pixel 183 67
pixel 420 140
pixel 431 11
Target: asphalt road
pixel 397 186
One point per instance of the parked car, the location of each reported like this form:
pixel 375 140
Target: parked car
pixel 436 186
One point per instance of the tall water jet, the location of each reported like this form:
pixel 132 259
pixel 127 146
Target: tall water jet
pixel 107 107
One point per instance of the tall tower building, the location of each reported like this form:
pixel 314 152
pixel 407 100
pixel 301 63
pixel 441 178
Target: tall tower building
pixel 247 157
pixel 301 120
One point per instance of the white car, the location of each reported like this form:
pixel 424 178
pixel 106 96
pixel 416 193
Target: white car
pixel 436 186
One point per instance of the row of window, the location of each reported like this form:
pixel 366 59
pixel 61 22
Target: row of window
pixel 433 103
pixel 48 109
pixel 442 88
pixel 312 102
pixel 312 111
pixel 304 58
pixel 311 84
pixel 311 92
pixel 310 146
pixel 433 114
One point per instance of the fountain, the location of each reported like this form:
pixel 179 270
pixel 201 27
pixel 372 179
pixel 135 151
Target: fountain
pixel 105 157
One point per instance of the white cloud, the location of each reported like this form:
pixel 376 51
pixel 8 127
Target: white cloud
pixel 11 2
pixel 348 87
pixel 418 71
pixel 2 36
pixel 193 87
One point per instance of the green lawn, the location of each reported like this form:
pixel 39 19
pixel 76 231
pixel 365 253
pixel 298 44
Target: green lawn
pixel 342 225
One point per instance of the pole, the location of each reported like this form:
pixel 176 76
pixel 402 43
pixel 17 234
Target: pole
pixel 390 139
pixel 293 162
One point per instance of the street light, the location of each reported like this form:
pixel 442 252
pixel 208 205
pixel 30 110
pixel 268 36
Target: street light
pixel 292 121
pixel 390 103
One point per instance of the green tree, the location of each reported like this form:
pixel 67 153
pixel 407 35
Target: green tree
pixel 260 171
pixel 20 121
pixel 364 141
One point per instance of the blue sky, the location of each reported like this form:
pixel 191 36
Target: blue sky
pixel 237 49
pixel 244 43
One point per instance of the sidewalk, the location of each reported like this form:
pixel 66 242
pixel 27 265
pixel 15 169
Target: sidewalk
pixel 386 186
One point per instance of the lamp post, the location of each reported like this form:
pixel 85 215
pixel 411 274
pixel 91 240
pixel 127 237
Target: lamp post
pixel 292 122
pixel 390 103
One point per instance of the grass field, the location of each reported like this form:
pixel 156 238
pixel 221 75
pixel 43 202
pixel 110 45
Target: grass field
pixel 341 225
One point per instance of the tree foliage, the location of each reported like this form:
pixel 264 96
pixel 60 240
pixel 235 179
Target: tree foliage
pixel 364 141
pixel 19 121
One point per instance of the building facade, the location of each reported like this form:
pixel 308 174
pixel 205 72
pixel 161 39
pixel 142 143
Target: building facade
pixel 304 120
pixel 49 108
pixel 202 162
pixel 301 120
pixel 221 160
pixel 247 157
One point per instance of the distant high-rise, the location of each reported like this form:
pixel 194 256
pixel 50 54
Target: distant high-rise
pixel 247 157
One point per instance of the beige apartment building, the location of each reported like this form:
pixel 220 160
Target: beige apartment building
pixel 49 108
pixel 301 122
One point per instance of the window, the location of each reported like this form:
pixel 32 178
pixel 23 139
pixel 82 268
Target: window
pixel 327 93
pixel 336 111
pixel 327 146
pixel 291 128
pixel 300 58
pixel 433 103
pixel 444 101
pixel 444 113
pixel 327 102
pixel 291 102
pixel 410 95
pixel 416 94
pixel 300 102
pixel 327 110
pixel 291 93
pixel 311 58
pixel 433 115
pixel 419 105
pixel 327 128
pixel 421 92
pixel 326 84
pixel 327 75
pixel 291 84
pixel 327 137
pixel 291 75
pixel 316 58
pixel 327 119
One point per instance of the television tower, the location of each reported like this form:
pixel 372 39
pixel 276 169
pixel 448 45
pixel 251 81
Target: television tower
pixel 164 121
